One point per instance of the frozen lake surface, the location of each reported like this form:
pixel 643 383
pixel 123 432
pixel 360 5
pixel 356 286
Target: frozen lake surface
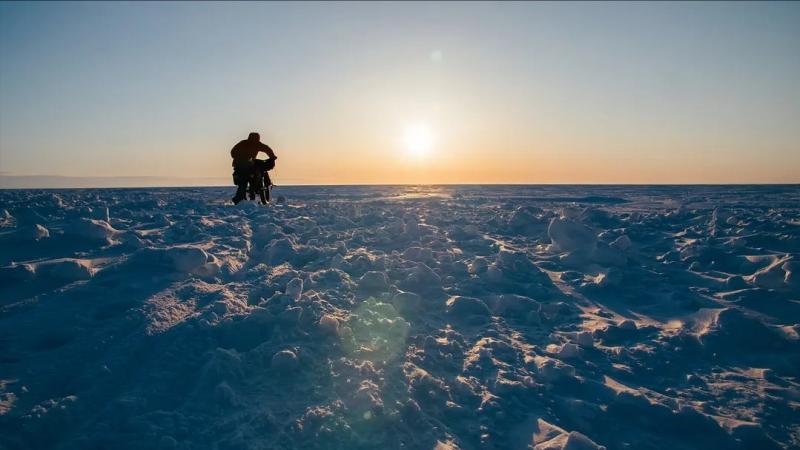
pixel 401 317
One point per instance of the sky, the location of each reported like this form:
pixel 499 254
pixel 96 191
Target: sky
pixel 385 93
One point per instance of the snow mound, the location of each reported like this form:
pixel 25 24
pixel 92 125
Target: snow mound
pixel 729 331
pixel 580 246
pixel 33 232
pixel 373 281
pixel 285 361
pixel 91 229
pixel 780 274
pixel 177 259
pixel 422 279
pixel 329 324
pixel 294 289
pixel 515 305
pixel 418 254
pixel 67 269
pixel 407 303
pixel 17 273
pixel 460 307
pixel 568 235
pixel 551 437
pixel 526 220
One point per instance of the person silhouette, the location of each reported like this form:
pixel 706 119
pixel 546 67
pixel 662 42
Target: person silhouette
pixel 244 154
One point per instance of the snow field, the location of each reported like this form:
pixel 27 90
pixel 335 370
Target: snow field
pixel 426 317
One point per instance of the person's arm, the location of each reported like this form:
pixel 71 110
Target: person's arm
pixel 236 150
pixel 266 149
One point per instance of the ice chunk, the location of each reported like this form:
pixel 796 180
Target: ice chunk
pixel 407 302
pixel 567 235
pixel 329 324
pixel 462 307
pixel 101 213
pixel 515 305
pixel 446 445
pixel 411 227
pixel 565 351
pixel 220 307
pixel 181 259
pixel 418 254
pixel 478 265
pixel 523 221
pixel 187 259
pixel 291 315
pixel 67 269
pixel 622 243
pixel 264 232
pixel 584 339
pixel 607 255
pixel 225 395
pixel 422 279
pixel 284 361
pixel 774 276
pixel 609 278
pixel 729 330
pixel 280 250
pixel 5 217
pixel 515 266
pixel 551 437
pixel 91 229
pixel 294 289
pixel 131 239
pixel 365 399
pixel 33 232
pixel 373 281
pixel 552 370
pixel 579 441
pixel 514 262
pixel 18 273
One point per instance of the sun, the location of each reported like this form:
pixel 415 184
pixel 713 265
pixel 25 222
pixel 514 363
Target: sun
pixel 418 140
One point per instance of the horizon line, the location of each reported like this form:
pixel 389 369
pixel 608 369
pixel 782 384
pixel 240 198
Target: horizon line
pixel 85 182
pixel 56 188
pixel 7 182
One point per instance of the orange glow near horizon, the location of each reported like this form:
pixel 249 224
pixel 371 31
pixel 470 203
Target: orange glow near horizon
pixel 404 93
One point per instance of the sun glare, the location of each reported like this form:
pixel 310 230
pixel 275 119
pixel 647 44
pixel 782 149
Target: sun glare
pixel 418 140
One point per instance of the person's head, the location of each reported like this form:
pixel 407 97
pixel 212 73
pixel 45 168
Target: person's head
pixel 254 137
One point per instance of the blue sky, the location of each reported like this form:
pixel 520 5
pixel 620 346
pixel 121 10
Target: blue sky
pixel 517 92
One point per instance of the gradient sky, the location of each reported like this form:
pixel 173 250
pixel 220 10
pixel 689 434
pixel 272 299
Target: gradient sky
pixel 510 92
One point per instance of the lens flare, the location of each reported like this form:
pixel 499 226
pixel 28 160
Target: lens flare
pixel 375 331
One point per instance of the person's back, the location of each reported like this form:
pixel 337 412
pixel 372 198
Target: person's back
pixel 248 149
pixel 243 154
